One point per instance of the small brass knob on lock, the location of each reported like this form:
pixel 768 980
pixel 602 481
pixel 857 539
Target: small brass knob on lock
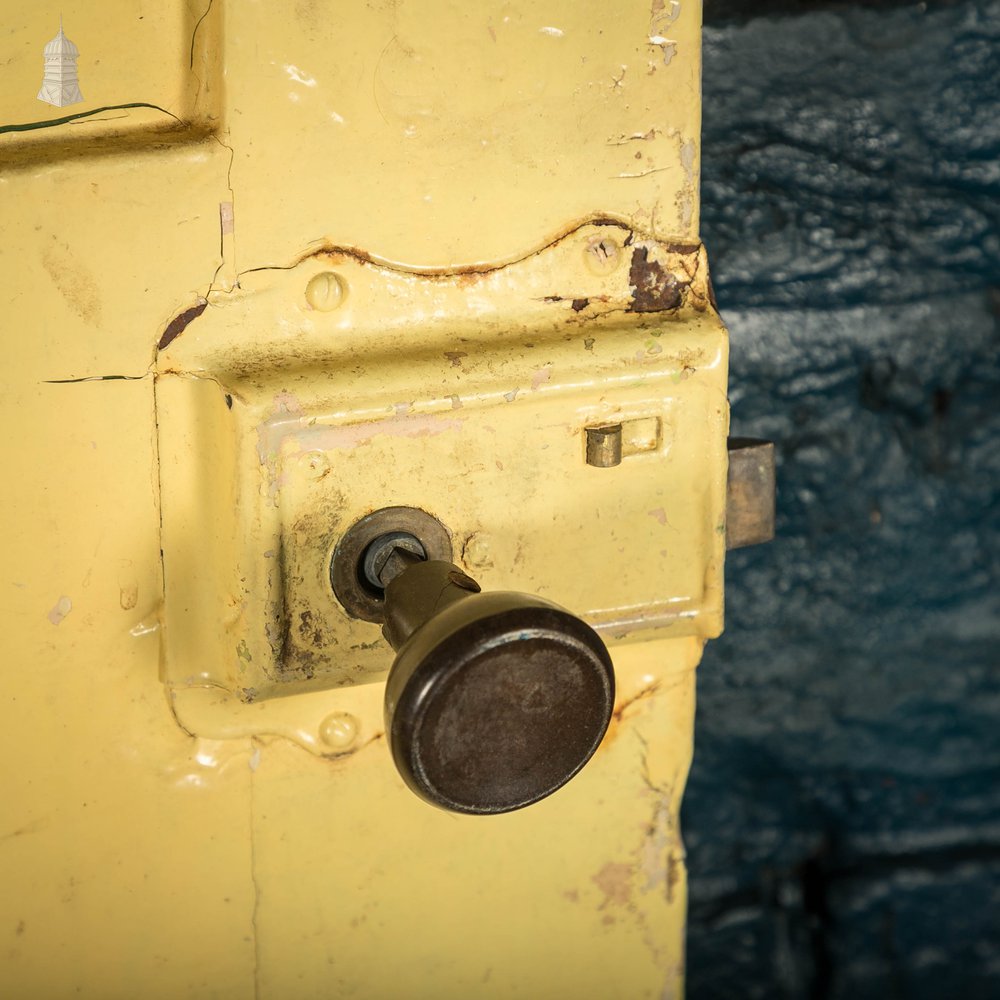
pixel 494 700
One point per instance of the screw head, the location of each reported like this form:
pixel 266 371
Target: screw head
pixel 315 464
pixel 602 254
pixel 326 291
pixel 339 731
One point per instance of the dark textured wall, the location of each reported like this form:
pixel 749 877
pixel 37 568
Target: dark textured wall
pixel 843 814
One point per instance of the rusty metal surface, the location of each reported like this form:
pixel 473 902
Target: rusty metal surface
pixel 750 490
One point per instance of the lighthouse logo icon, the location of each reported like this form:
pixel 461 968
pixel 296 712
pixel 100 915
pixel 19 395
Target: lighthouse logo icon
pixel 60 85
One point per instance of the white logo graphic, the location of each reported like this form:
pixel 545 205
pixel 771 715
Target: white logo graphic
pixel 60 86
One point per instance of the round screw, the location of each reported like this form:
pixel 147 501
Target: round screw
pixel 602 255
pixel 315 464
pixel 326 291
pixel 339 731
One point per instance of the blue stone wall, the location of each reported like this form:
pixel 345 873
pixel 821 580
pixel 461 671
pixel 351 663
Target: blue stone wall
pixel 842 818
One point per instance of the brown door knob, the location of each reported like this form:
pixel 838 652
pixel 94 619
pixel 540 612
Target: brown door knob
pixel 494 700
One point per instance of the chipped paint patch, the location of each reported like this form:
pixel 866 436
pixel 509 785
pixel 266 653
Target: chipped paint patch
pixel 686 198
pixel 348 436
pixel 144 627
pixel 352 435
pixel 688 150
pixel 286 402
pixel 666 45
pixel 227 220
pixel 656 852
pixel 661 15
pixel 300 76
pixel 60 610
pixel 289 436
pixel 540 377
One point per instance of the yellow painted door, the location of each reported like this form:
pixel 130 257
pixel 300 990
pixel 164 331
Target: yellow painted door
pixel 281 264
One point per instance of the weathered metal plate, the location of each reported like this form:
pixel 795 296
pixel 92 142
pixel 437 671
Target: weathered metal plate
pixel 750 492
pixel 281 423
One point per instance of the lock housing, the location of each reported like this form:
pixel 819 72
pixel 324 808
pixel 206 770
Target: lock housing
pixel 310 396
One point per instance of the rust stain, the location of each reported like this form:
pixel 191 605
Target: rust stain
pixel 128 596
pixel 646 692
pixel 338 758
pixel 310 631
pixel 674 871
pixel 618 716
pixel 655 289
pixel 647 136
pixel 466 277
pixel 711 293
pixel 682 248
pixel 179 323
pixel 35 826
pixel 75 283
pixel 307 11
pixel 615 881
pixel 462 274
